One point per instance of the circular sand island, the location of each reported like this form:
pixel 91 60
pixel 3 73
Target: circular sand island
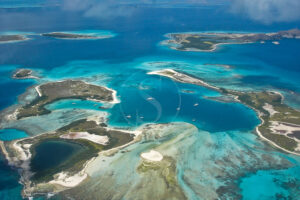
pixel 152 155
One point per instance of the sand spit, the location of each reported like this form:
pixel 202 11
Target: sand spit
pixel 37 88
pixel 181 77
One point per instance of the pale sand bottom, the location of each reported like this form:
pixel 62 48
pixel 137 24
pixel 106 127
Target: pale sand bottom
pixel 99 118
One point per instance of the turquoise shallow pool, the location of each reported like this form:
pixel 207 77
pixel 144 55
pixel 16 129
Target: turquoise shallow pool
pixel 11 134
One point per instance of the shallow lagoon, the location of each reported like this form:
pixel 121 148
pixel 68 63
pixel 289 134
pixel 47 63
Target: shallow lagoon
pixel 51 154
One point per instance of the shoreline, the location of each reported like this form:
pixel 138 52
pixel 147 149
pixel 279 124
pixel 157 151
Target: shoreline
pixel 164 72
pixel 15 41
pixel 215 47
pixel 258 113
pixel 62 179
pixel 81 36
pixel 115 100
pixel 65 89
pixel 185 41
pixel 266 139
pixel 79 177
pixel 178 44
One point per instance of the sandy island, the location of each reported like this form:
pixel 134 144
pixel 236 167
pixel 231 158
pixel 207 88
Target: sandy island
pixel 152 156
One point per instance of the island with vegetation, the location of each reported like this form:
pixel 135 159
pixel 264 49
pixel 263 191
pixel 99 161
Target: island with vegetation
pixel 23 74
pixel 208 41
pixel 67 89
pixel 12 38
pixel 280 124
pixel 84 145
pixel 74 35
pixel 75 146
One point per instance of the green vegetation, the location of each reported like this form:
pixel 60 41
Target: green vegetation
pixel 89 149
pixel 68 89
pixel 61 35
pixel 200 43
pixel 208 41
pixel 11 38
pixel 284 113
pixel 269 106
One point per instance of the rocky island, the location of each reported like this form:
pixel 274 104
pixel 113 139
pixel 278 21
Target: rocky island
pixel 208 41
pixel 23 74
pixel 67 89
pixel 280 124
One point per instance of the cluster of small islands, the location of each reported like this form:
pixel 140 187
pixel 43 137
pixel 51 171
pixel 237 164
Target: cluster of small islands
pixel 280 123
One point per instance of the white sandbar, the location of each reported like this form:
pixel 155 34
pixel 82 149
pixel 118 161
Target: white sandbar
pixel 152 155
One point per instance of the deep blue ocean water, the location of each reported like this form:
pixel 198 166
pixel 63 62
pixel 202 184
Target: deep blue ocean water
pixel 122 62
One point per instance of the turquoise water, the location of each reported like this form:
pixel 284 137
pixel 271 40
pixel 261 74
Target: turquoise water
pixel 271 184
pixel 11 134
pixel 76 104
pixel 224 153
